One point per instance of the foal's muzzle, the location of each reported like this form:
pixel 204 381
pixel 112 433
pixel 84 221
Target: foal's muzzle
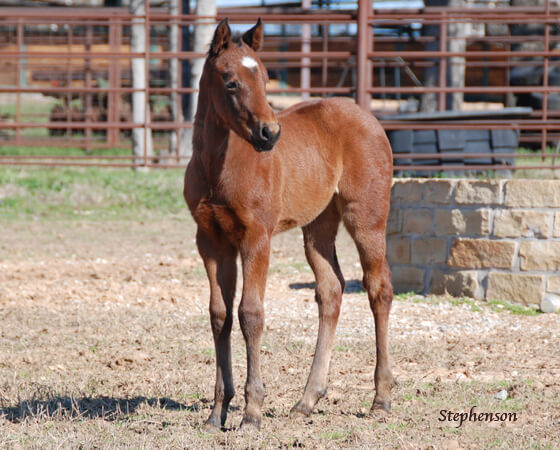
pixel 265 136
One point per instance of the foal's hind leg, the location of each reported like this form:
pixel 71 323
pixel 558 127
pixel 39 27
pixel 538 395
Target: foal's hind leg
pixel 320 251
pixel 368 231
pixel 220 264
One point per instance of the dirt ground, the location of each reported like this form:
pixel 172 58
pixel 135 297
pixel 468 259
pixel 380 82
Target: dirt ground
pixel 105 342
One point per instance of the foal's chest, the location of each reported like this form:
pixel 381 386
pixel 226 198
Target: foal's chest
pixel 219 220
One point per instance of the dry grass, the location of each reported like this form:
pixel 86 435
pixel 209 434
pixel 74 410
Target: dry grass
pixel 105 342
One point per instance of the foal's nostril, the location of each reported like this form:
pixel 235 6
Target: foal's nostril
pixel 266 134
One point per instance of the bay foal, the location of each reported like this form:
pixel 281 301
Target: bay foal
pixel 254 174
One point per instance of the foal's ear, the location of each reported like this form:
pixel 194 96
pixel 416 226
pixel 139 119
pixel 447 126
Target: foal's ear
pixel 221 39
pixel 254 36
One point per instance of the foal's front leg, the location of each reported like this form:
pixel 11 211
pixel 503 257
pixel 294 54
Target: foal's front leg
pixel 255 252
pixel 220 264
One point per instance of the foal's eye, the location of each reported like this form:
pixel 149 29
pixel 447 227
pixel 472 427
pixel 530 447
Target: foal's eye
pixel 232 85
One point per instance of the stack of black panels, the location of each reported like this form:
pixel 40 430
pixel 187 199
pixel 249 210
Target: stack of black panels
pixel 487 144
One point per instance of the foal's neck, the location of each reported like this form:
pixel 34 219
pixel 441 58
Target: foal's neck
pixel 210 136
pixel 209 131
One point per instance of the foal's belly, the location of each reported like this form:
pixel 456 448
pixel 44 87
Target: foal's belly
pixel 311 177
pixel 302 204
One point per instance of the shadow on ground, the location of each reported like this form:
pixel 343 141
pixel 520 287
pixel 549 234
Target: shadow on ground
pixel 352 286
pixel 86 407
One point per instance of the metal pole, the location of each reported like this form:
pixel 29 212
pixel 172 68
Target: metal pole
pixel 89 79
pixel 18 80
pixel 363 65
pixel 544 137
pixel 69 84
pixel 305 48
pixel 147 76
pixel 442 62
pixel 114 82
pixel 324 61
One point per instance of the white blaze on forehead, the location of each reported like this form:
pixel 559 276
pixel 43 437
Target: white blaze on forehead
pixel 249 62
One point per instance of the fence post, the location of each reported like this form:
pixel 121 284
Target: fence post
pixel 363 64
pixel 544 108
pixel 20 74
pixel 442 62
pixel 113 103
pixel 305 81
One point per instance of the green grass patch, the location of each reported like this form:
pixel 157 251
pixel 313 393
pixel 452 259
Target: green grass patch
pixel 92 193
pixel 475 305
pixel 341 348
pixel 335 435
pixel 289 268
pixel 500 305
pixel 466 301
pixel 61 151
pixel 404 295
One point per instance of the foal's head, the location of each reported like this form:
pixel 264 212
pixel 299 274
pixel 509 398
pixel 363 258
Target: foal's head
pixel 237 80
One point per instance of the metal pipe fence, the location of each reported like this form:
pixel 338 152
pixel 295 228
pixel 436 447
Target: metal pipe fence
pixel 65 79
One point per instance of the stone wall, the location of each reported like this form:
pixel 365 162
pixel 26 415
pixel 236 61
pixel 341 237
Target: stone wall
pixel 492 239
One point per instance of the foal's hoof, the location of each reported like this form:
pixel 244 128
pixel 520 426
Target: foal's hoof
pixel 250 424
pixel 300 410
pixel 211 427
pixel 380 405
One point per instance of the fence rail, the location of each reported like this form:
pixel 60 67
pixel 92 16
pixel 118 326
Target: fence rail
pixel 65 78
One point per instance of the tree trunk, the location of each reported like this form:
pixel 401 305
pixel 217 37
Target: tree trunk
pixel 176 114
pixel 141 138
pixel 186 45
pixel 305 82
pixel 428 102
pixel 187 107
pixel 457 43
pixel 456 68
pixel 203 32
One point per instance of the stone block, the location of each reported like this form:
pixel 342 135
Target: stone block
pixel 418 221
pixel 407 279
pixel 556 229
pixel 456 222
pixel 406 191
pixel 469 192
pixel 477 222
pixel 550 303
pixel 462 283
pixel 438 191
pixel 540 255
pixel 553 284
pixel 481 253
pixel 395 221
pixel 449 222
pixel 532 193
pixel 429 251
pixel 516 288
pixel 521 223
pixel 398 250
